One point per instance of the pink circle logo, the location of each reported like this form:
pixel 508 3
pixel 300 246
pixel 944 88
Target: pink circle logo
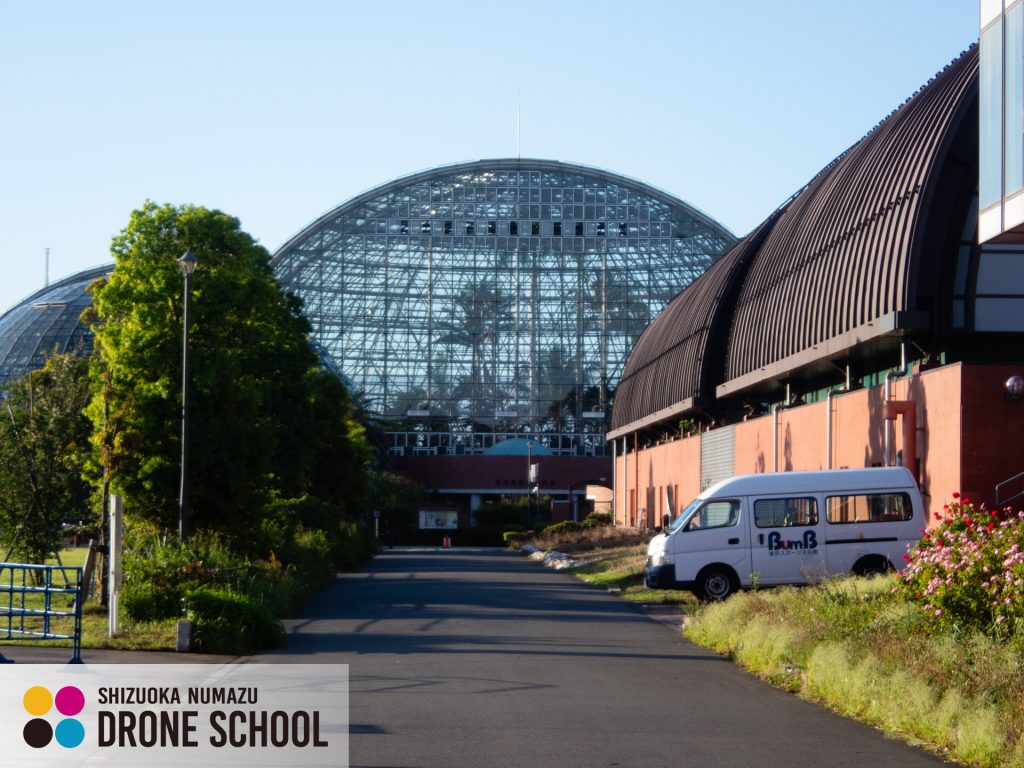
pixel 69 701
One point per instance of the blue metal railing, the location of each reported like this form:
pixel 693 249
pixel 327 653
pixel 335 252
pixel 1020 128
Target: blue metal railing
pixel 30 600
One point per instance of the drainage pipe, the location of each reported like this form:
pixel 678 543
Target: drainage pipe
pixel 828 415
pixel 908 410
pixel 889 376
pixel 775 426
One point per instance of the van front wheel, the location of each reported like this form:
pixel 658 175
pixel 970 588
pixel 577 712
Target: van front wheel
pixel 715 584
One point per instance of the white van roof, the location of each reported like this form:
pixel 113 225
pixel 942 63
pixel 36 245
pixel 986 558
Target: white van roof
pixel 833 480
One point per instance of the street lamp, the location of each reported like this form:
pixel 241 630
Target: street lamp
pixel 187 262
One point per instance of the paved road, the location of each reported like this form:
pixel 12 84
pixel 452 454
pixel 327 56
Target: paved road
pixel 476 658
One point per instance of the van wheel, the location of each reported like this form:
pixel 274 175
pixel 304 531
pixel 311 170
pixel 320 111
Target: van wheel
pixel 872 566
pixel 716 584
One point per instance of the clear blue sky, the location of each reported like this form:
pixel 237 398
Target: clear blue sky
pixel 276 112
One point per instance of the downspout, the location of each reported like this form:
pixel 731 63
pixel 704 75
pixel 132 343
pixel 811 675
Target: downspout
pixel 828 415
pixel 636 470
pixel 615 479
pixel 775 427
pixel 889 376
pixel 908 410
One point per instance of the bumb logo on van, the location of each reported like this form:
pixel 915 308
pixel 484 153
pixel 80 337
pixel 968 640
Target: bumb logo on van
pixel 780 546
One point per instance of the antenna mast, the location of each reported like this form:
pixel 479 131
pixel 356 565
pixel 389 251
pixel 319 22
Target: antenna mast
pixel 519 140
pixel 46 284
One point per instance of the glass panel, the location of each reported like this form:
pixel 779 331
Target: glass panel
pixel 785 513
pixel 991 122
pixel 999 315
pixel 1014 96
pixel 873 508
pixel 715 514
pixel 1001 272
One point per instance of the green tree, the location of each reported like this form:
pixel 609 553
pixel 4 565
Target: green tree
pixel 255 396
pixel 44 437
pixel 398 499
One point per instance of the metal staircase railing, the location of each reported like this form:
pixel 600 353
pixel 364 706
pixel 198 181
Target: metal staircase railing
pixel 1002 500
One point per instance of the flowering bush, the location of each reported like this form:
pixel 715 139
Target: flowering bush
pixel 970 570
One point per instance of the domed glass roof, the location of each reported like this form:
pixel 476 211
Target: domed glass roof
pixel 45 323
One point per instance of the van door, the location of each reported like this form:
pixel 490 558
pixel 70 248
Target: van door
pixel 714 532
pixel 787 545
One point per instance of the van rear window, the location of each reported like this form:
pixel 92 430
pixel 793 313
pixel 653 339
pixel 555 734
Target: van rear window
pixel 869 508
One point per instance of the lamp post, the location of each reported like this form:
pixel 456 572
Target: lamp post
pixel 187 262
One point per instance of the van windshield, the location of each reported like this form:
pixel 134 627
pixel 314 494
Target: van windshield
pixel 676 524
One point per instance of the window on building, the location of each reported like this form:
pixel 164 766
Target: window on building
pixel 425 226
pixel 558 229
pixel 404 226
pixel 535 229
pixel 579 229
pixel 600 229
pixel 622 229
pixel 492 227
pixel 991 115
pixel 447 227
pixel 469 228
pixel 513 227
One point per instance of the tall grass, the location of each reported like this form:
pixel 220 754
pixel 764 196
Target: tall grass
pixel 869 654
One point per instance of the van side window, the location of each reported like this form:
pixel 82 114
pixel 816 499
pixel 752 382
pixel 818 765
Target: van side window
pixel 715 514
pixel 869 508
pixel 785 513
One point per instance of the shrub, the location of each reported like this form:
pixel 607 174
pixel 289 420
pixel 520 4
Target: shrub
pixel 969 571
pixel 597 520
pixel 514 539
pixel 566 526
pixel 227 622
pixel 501 516
pixel 143 601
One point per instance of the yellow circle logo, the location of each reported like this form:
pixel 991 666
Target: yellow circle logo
pixel 38 701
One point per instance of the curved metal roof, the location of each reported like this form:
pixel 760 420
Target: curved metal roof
pixel 841 265
pixel 854 256
pixel 518 164
pixel 47 321
pixel 672 369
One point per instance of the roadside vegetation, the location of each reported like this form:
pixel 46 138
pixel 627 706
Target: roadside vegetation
pixel 279 458
pixel 606 556
pixel 934 654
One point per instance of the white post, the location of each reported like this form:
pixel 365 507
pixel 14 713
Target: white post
pixel 114 559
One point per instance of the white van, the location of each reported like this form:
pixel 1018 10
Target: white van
pixel 787 528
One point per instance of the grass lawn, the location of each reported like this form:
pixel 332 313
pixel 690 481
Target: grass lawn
pixel 622 568
pixel 157 636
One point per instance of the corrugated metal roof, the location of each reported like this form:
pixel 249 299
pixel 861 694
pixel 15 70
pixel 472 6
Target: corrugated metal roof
pixel 846 250
pixel 672 367
pixel 836 265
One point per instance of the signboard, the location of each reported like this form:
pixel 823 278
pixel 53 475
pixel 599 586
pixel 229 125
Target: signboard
pixel 438 520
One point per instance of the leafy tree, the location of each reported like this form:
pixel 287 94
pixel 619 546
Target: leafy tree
pixel 44 437
pixel 398 500
pixel 256 396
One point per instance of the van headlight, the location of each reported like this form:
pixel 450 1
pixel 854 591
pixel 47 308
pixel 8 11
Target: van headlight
pixel 661 558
